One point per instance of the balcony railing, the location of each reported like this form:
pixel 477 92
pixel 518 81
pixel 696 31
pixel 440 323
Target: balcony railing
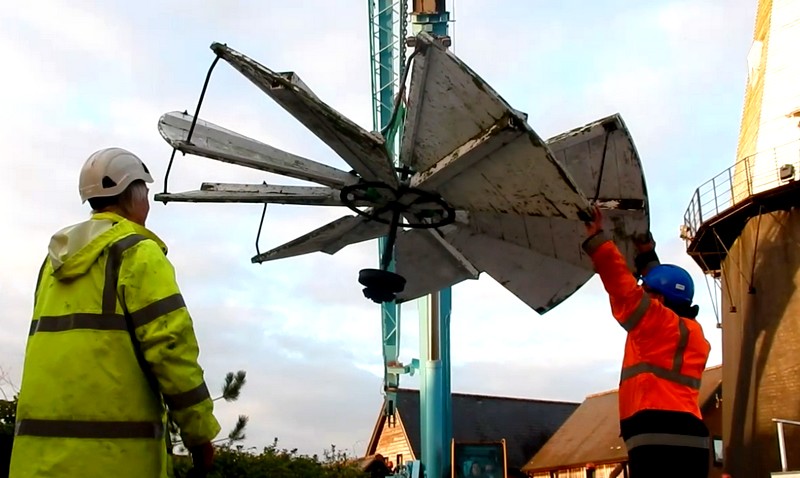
pixel 779 423
pixel 754 174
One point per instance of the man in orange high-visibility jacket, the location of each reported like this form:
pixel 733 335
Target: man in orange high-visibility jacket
pixel 665 355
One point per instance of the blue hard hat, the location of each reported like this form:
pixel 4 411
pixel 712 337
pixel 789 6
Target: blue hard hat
pixel 671 281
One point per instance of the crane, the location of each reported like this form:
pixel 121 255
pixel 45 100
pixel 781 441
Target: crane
pixel 388 27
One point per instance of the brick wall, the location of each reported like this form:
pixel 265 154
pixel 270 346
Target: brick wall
pixel 761 344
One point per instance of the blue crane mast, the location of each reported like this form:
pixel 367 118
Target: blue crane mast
pixel 387 27
pixel 388 36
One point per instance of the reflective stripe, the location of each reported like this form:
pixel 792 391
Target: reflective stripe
pixel 633 319
pixel 674 374
pixel 110 299
pixel 660 372
pixel 183 400
pixel 667 439
pixel 109 319
pixel 88 429
pixel 113 262
pixel 151 312
pixel 61 323
pixel 683 342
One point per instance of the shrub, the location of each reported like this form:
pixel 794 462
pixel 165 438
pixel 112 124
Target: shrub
pixel 274 462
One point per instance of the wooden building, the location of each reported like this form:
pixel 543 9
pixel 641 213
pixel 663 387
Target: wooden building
pixel 588 445
pixel 525 425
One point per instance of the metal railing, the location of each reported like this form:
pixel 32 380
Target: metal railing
pixel 779 423
pixel 757 173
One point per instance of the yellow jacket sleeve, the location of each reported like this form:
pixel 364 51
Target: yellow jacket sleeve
pixel 164 329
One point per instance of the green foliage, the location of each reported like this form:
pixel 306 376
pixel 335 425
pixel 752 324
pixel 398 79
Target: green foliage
pixel 274 462
pixel 237 434
pixel 232 387
pixel 8 414
pixel 231 390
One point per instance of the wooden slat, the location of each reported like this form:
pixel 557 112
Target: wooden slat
pixel 365 152
pixel 540 281
pixel 215 142
pixel 429 264
pixel 469 145
pixel 330 238
pixel 260 193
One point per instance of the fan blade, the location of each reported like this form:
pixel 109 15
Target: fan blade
pixel 429 263
pixel 365 152
pixel 603 160
pixel 215 142
pixel 330 238
pixel 470 146
pixel 261 193
pixel 540 281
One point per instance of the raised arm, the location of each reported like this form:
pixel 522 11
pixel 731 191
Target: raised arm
pixel 629 302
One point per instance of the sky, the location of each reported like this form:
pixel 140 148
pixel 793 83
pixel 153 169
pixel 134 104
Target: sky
pixel 83 75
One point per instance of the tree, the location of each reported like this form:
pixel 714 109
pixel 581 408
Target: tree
pixel 231 390
pixel 8 415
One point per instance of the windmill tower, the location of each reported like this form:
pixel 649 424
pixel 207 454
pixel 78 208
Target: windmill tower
pixel 743 228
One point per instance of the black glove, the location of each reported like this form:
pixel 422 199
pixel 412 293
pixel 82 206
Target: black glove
pixel 202 458
pixel 644 242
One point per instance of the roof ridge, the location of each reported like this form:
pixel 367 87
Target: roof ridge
pixel 600 394
pixel 497 397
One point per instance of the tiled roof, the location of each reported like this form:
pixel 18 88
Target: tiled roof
pixel 525 424
pixel 591 434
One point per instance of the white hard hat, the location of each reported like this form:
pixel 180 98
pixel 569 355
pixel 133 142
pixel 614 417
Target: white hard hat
pixel 109 172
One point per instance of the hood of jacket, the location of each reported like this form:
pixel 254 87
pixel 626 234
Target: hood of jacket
pixel 74 249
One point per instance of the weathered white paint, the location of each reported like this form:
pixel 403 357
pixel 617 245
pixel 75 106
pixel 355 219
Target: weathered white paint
pixel 330 238
pixel 518 198
pixel 622 191
pixel 262 193
pixel 499 164
pixel 539 280
pixel 778 131
pixel 546 250
pixel 429 263
pixel 363 151
pixel 215 142
pixel 781 94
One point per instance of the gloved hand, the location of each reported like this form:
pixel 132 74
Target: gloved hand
pixel 203 456
pixel 596 224
pixel 644 242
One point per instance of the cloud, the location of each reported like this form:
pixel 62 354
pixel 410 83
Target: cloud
pixel 300 327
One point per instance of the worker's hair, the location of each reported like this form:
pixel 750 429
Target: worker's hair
pixel 125 201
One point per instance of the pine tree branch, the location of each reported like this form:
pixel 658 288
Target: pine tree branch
pixel 232 388
pixel 237 434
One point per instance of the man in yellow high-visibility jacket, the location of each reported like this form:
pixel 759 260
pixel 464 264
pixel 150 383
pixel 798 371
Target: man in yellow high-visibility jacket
pixel 111 344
